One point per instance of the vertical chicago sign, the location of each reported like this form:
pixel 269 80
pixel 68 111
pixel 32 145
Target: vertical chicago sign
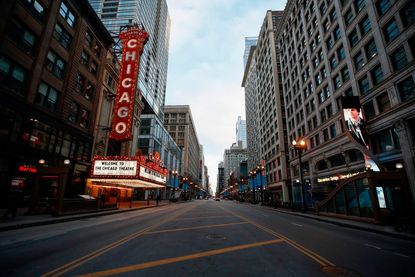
pixel 133 40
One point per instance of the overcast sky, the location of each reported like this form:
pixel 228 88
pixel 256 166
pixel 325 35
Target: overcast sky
pixel 206 66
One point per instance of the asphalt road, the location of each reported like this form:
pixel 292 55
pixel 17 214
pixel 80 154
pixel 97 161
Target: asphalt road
pixel 202 238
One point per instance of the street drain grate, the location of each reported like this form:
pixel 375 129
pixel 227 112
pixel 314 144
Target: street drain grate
pixel 339 272
pixel 214 236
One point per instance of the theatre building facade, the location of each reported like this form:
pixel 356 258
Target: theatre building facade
pixel 52 59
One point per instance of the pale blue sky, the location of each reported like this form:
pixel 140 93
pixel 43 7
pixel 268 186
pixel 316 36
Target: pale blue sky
pixel 206 66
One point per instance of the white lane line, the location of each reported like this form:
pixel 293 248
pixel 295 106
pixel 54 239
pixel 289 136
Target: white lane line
pixel 296 224
pixel 373 246
pixel 400 255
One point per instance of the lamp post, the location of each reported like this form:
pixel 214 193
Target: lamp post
pixel 174 173
pixel 300 145
pixel 185 179
pixel 252 174
pixel 260 169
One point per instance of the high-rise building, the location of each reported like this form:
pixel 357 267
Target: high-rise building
pixel 249 41
pixel 52 58
pixel 241 131
pixel 264 97
pixel 231 159
pixel 178 121
pixel 249 82
pixel 220 185
pixel 330 49
pixel 153 16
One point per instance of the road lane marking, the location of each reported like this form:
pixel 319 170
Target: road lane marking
pixel 193 218
pixel 400 255
pixel 194 228
pixel 319 259
pixel 373 246
pixel 296 224
pixel 80 261
pixel 179 259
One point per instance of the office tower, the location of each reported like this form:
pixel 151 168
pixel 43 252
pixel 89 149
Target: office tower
pixel 330 49
pixel 241 131
pixel 220 185
pixel 178 121
pixel 264 99
pixel 249 41
pixel 232 158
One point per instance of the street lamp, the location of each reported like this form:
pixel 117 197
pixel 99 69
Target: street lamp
pixel 260 169
pixel 301 145
pixel 185 179
pixel 174 173
pixel 252 174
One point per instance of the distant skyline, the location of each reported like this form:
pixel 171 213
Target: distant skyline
pixel 205 70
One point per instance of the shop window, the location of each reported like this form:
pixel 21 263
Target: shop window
pixel 351 199
pixel 66 145
pixel 407 89
pixel 365 202
pixel 61 35
pixel 55 64
pixel 340 205
pixel 12 75
pixel 47 97
pixel 36 8
pixel 399 59
pixel 391 30
pixel 22 37
pixel 67 14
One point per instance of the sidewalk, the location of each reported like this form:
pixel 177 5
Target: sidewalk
pixel 23 220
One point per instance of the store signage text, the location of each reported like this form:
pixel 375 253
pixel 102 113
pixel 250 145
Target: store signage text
pixel 152 175
pixel 337 177
pixel 114 168
pixel 133 42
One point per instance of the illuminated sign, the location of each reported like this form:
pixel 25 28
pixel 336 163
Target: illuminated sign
pixel 27 168
pixel 152 175
pixel 115 168
pixel 337 177
pixel 381 197
pixel 133 41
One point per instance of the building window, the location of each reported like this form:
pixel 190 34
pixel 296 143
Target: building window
pixel 55 64
pixel 330 43
pixel 407 88
pixel 88 38
pixel 93 68
pixel 73 112
pixel 326 134
pixel 341 54
pixel 399 59
pixel 383 102
pixel 359 61
pixel 345 74
pixel 369 110
pixel 84 58
pixel 365 25
pixel 79 82
pixel 47 97
pixel 67 14
pixel 385 141
pixel 337 33
pixel 348 17
pixel 371 49
pixel 89 91
pixel 23 37
pixel 84 118
pixel 12 76
pixel 364 85
pixel 383 6
pixel 35 7
pixel 61 35
pixel 359 5
pixel 408 14
pixel 333 62
pixel 377 75
pixel 353 38
pixel 337 81
pixel 391 30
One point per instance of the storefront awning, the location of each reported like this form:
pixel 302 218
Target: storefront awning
pixel 127 183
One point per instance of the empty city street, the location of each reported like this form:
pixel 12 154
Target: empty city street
pixel 202 238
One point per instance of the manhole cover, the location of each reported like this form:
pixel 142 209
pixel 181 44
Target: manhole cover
pixel 339 272
pixel 215 236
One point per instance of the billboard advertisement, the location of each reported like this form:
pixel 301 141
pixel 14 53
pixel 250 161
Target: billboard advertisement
pixel 356 129
pixel 133 40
